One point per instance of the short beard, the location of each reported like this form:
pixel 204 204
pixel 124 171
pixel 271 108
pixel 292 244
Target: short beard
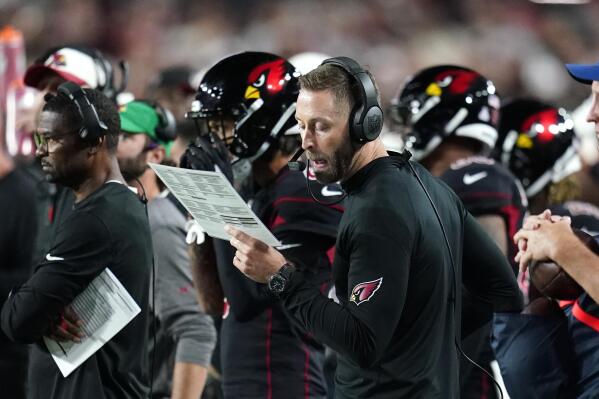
pixel 339 163
pixel 133 168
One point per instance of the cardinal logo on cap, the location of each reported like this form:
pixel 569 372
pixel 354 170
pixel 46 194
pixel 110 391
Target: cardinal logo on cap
pixel 58 60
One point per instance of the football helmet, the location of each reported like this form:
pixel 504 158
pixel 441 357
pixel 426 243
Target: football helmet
pixel 444 101
pixel 257 91
pixel 537 143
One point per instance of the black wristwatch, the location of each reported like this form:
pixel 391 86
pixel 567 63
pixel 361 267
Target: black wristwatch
pixel 279 282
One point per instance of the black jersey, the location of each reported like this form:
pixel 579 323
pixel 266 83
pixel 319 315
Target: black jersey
pixel 398 317
pixel 488 188
pixel 109 228
pixel 264 354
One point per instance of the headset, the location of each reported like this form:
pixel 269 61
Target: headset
pixel 92 127
pixel 167 124
pixel 366 117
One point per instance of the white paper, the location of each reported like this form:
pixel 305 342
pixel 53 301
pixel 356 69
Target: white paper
pixel 213 202
pixel 105 307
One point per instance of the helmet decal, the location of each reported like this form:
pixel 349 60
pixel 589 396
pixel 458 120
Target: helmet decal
pixel 256 91
pixel 544 125
pixel 455 81
pixel 269 76
pixel 446 101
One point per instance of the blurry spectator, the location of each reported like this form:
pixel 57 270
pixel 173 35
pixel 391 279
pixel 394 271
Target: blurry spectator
pixel 174 89
pixel 394 37
pixel 185 336
pixel 17 213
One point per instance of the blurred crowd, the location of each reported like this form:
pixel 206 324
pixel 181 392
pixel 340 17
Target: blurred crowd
pixel 518 44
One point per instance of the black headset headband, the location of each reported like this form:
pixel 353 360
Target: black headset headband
pixel 93 127
pixel 367 120
pixel 368 91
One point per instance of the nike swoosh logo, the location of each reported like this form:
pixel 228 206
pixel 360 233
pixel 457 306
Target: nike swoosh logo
pixel 51 258
pixel 469 179
pixel 330 193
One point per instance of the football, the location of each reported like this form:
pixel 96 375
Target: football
pixel 552 281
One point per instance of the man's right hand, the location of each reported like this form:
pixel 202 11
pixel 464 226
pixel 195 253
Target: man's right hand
pixel 205 153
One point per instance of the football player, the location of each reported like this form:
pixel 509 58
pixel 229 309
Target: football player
pixel 247 102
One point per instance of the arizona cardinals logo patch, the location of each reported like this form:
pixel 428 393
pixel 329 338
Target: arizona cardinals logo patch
pixel 362 292
pixel 226 308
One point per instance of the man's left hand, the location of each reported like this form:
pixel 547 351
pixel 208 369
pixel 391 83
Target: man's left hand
pixel 68 327
pixel 254 258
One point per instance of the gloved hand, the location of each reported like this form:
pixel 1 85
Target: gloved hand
pixel 195 232
pixel 206 152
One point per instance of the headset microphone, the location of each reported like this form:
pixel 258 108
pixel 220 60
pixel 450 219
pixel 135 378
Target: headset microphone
pixel 294 163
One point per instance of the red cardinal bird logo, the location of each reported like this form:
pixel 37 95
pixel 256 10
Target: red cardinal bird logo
pixel 269 76
pixel 546 119
pixel 362 292
pixel 455 81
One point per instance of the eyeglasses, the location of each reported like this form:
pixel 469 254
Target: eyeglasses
pixel 41 140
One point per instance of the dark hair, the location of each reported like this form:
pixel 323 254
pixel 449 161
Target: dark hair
pixel 106 109
pixel 331 77
pixel 345 88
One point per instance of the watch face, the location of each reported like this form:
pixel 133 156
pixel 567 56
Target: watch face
pixel 277 284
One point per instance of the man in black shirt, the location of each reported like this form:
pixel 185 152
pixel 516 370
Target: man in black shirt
pixel 77 138
pixel 398 319
pixel 453 140
pixel 264 352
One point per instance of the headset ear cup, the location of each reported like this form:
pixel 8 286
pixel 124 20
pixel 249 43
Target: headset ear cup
pixel 167 126
pixel 355 129
pixel 372 124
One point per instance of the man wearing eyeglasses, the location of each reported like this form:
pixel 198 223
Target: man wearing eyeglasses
pixel 107 228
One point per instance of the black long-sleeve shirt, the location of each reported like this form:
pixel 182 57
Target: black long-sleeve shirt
pixel 398 318
pixel 110 229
